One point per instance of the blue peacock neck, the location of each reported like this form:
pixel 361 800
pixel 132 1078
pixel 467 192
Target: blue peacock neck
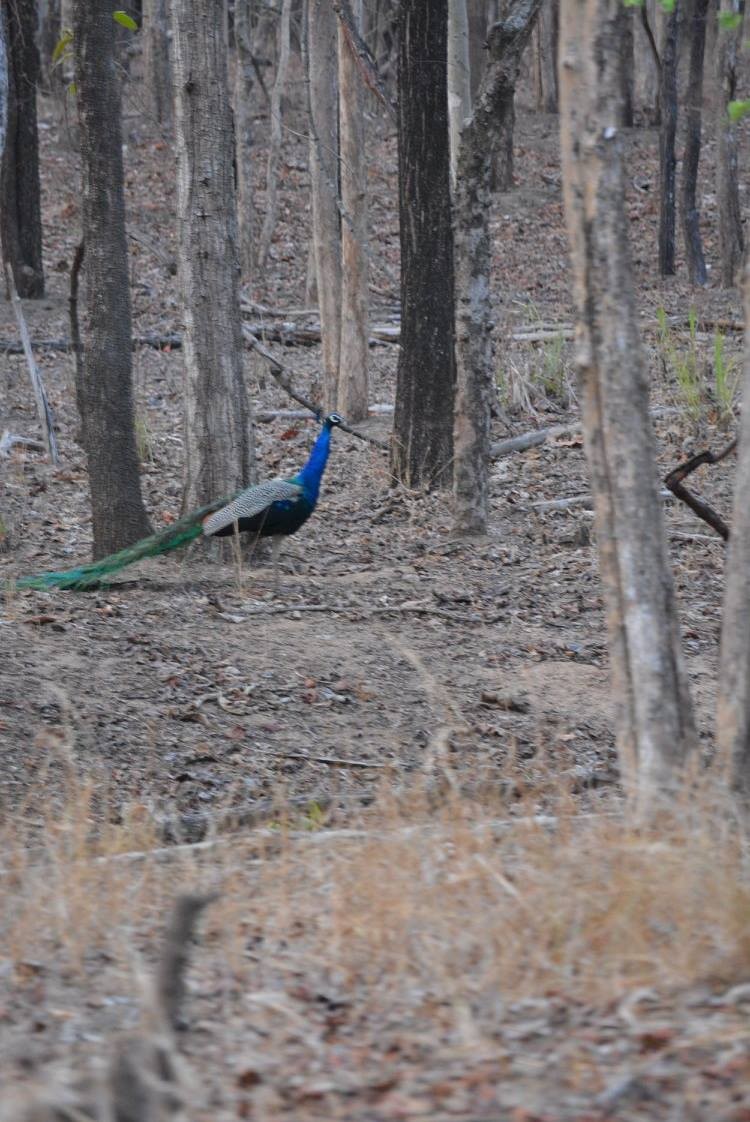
pixel 312 473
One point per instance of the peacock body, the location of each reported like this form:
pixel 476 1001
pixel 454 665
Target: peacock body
pixel 274 509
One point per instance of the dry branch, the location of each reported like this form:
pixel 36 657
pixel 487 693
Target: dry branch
pixel 674 482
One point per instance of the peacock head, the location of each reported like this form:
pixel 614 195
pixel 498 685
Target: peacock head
pixel 333 419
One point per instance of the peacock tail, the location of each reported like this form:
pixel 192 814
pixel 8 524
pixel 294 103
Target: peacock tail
pixel 274 508
pixel 179 533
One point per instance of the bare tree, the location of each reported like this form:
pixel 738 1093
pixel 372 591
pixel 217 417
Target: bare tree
pixel 459 75
pixel 352 397
pixel 274 145
pixel 475 370
pixel 545 51
pixel 731 239
pixel 422 451
pixel 219 453
pixel 733 709
pixel 693 125
pixel 156 59
pixel 244 86
pixel 104 374
pixel 654 714
pixel 20 191
pixel 667 135
pixel 324 178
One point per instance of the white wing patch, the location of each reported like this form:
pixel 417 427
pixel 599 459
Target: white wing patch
pixel 250 503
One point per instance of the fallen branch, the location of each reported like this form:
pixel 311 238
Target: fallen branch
pixel 539 436
pixel 9 440
pixel 44 412
pixel 573 501
pixel 674 482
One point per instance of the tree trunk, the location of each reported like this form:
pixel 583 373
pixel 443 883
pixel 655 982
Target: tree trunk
pixel 274 146
pixel 693 120
pixel 475 369
pixel 219 453
pixel 20 192
pixel 731 238
pixel 422 451
pixel 156 60
pixel 104 377
pixel 647 63
pixel 244 82
pixel 354 345
pixel 459 76
pixel 654 713
pixel 627 67
pixel 324 178
pixel 549 31
pixel 733 708
pixel 49 36
pixel 667 135
pixel 477 17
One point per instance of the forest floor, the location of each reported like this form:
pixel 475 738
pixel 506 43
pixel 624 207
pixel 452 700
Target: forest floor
pixel 403 764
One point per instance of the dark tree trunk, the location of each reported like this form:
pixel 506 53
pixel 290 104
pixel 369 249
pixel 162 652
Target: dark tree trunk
pixel 422 450
pixel 476 391
pixel 667 135
pixel 627 65
pixel 20 202
pixel 104 384
pixel 693 121
pixel 731 239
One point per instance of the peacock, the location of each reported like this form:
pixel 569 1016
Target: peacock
pixel 272 509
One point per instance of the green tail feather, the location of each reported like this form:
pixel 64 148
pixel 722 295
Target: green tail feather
pixel 185 530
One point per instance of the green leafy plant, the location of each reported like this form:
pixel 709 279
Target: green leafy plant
pixel 125 20
pixel 143 440
pixel 684 365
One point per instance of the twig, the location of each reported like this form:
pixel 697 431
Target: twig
pixel 43 409
pixel 283 377
pixel 575 500
pixel 334 761
pixel 674 482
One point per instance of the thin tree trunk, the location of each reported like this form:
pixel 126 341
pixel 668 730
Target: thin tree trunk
pixel 477 17
pixel 20 190
pixel 733 708
pixel 647 63
pixel 667 136
pixel 654 713
pixel 156 59
pixel 459 76
pixel 627 67
pixel 104 380
pixel 354 352
pixel 219 453
pixel 422 450
pixel 274 147
pixel 731 238
pixel 324 178
pixel 549 32
pixel 244 81
pixel 693 122
pixel 475 369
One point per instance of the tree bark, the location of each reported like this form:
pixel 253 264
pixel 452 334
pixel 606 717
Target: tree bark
pixel 104 379
pixel 324 179
pixel 733 707
pixel 422 450
pixel 549 22
pixel 654 714
pixel 20 191
pixel 219 452
pixel 244 82
pixel 352 398
pixel 731 238
pixel 627 67
pixel 691 158
pixel 156 60
pixel 475 369
pixel 667 135
pixel 459 76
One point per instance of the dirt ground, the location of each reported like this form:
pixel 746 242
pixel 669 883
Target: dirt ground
pixel 394 652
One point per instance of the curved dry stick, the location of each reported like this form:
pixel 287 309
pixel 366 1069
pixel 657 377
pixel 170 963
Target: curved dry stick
pixel 674 482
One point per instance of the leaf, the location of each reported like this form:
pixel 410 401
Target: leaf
pixel 125 20
pixel 72 89
pixel 632 3
pixel 61 46
pixel 667 5
pixel 737 110
pixel 729 21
